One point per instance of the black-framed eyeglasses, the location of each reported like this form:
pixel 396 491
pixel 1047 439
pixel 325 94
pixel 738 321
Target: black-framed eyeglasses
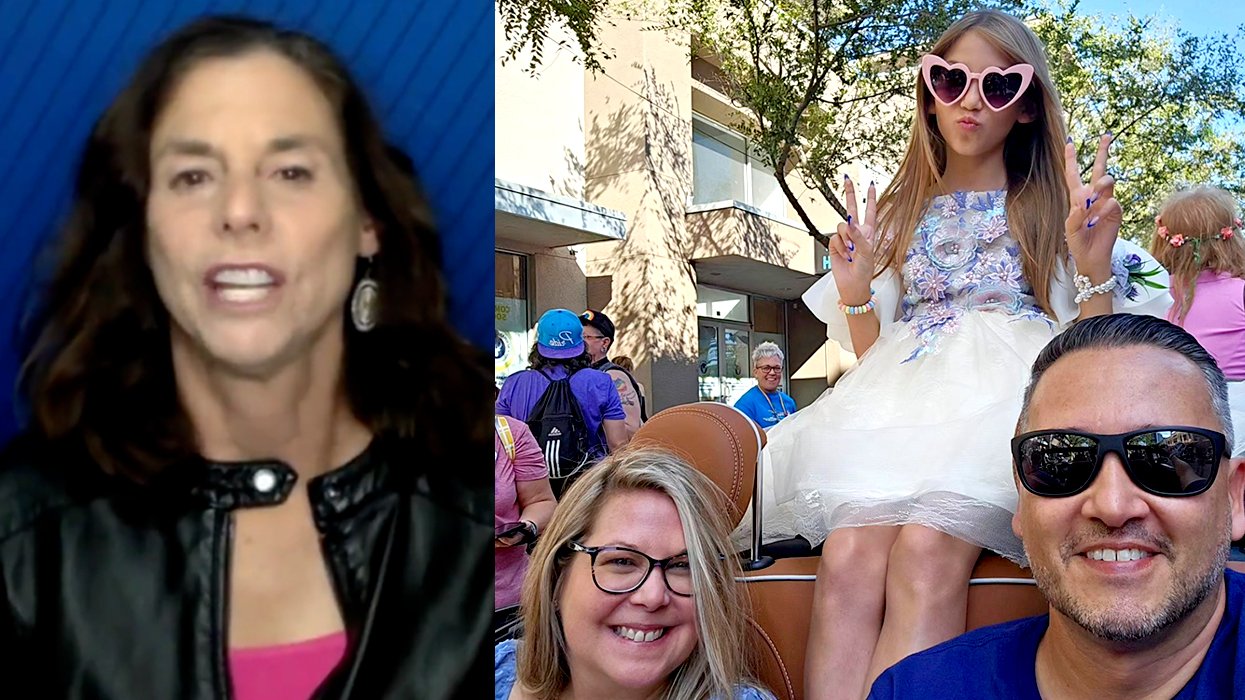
pixel 769 369
pixel 1170 461
pixel 619 570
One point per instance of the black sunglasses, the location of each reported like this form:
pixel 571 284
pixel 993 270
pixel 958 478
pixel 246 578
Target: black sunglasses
pixel 1167 461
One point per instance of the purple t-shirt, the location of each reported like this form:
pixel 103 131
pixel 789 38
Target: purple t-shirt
pixel 593 389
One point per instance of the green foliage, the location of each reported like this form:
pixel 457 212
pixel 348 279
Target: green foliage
pixel 828 83
pixel 527 24
pixel 1173 102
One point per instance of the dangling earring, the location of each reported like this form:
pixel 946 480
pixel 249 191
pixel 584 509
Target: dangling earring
pixel 365 302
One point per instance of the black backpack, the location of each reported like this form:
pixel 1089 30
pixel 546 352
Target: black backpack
pixel 557 422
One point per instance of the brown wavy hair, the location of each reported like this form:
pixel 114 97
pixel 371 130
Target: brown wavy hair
pixel 1037 197
pixel 1199 214
pixel 98 371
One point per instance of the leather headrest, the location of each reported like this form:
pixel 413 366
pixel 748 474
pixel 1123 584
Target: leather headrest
pixel 718 440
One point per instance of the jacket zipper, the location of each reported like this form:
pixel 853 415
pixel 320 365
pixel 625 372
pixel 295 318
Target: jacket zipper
pixel 221 554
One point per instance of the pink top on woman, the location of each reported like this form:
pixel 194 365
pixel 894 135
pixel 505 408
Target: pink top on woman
pixel 285 671
pixel 528 465
pixel 1217 319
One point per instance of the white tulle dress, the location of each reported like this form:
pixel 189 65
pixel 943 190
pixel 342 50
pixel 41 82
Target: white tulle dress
pixel 917 432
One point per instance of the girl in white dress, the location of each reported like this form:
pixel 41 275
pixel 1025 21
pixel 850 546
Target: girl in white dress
pixel 991 242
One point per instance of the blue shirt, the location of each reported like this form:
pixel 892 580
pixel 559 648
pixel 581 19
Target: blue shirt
pixel 765 409
pixel 593 389
pixel 504 676
pixel 998 661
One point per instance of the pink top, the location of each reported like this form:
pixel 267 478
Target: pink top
pixel 528 464
pixel 1217 320
pixel 285 671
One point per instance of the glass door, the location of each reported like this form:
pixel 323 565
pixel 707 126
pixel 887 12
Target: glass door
pixel 725 361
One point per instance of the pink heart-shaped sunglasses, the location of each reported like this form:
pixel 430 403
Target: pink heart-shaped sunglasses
pixel 1000 87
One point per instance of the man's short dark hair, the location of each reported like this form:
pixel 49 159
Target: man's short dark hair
pixel 1128 330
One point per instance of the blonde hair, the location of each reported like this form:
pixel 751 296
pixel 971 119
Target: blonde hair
pixel 1198 215
pixel 720 660
pixel 1037 196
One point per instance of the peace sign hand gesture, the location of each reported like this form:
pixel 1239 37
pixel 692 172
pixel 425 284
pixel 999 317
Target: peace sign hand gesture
pixel 851 248
pixel 1094 215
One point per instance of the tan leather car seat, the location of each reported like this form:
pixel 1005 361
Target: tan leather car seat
pixel 725 445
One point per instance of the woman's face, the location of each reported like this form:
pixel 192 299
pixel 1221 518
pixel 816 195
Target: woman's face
pixel 253 223
pixel 598 625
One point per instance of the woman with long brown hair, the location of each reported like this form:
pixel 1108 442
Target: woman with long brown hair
pixel 244 471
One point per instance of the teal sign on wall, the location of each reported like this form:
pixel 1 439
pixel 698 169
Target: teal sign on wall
pixel 426 64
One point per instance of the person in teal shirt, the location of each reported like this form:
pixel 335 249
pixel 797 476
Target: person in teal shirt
pixel 764 403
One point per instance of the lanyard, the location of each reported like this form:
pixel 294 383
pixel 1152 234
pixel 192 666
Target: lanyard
pixel 771 405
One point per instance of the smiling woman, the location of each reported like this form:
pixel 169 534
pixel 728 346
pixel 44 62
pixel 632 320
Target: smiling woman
pixel 244 392
pixel 631 593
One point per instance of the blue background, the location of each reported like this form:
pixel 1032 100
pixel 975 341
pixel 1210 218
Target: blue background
pixel 427 66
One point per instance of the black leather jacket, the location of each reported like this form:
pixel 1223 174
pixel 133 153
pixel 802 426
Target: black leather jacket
pixel 115 590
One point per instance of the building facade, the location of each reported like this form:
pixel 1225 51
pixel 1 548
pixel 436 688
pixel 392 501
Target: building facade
pixel 629 191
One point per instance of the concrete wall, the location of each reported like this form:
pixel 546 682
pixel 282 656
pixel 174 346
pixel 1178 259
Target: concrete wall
pixel 638 161
pixel 540 119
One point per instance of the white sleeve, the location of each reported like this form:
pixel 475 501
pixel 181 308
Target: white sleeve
pixel 823 300
pixel 1142 286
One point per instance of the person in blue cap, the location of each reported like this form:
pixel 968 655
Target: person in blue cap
pixel 559 355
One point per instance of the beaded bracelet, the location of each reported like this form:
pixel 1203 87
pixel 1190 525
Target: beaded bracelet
pixel 1086 288
pixel 858 310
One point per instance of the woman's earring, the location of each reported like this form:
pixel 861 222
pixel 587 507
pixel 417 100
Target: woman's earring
pixel 365 302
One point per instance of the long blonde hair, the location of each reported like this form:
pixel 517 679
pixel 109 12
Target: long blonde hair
pixel 720 660
pixel 1199 216
pixel 1037 197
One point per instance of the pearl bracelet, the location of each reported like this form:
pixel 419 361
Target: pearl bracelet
pixel 1086 289
pixel 861 309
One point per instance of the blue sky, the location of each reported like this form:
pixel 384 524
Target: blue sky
pixel 1199 17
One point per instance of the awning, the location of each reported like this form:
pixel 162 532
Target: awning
pixel 738 247
pixel 538 218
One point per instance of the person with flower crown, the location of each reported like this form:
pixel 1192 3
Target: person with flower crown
pixel 1196 239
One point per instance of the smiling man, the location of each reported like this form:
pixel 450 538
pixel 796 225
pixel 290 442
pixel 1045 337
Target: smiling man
pixel 1128 504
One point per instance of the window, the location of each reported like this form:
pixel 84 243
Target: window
pixel 513 338
pixel 725 362
pixel 726 168
pixel 721 304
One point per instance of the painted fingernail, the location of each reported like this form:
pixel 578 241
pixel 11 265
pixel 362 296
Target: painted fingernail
pixel 849 258
pixel 851 246
pixel 871 183
pixel 1069 139
pixel 1091 223
pixel 849 219
pixel 1093 199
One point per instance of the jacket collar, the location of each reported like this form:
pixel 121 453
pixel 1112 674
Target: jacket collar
pixel 250 483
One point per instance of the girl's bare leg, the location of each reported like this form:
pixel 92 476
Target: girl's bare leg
pixel 926 594
pixel 848 603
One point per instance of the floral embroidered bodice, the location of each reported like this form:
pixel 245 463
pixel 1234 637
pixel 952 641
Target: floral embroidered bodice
pixel 962 259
